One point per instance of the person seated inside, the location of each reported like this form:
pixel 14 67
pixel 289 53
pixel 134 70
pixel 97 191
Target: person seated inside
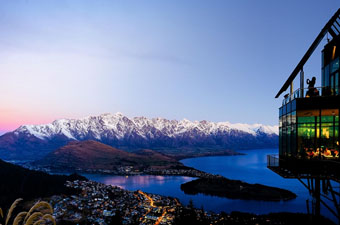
pixel 333 152
pixel 310 153
pixel 327 153
pixel 316 153
pixel 312 91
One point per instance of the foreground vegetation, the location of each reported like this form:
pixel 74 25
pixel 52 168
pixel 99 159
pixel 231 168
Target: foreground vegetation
pixel 28 184
pixel 40 213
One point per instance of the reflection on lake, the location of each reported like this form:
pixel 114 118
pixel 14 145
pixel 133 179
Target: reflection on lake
pixel 144 182
pixel 163 185
pixel 250 168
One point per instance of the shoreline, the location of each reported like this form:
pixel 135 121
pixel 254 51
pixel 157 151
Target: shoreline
pixel 139 204
pixel 206 183
pixel 131 171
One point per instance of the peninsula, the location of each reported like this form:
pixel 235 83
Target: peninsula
pixel 236 189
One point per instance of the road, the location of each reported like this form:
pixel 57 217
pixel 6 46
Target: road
pixel 152 206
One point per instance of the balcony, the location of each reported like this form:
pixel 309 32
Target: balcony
pixel 324 91
pixel 304 168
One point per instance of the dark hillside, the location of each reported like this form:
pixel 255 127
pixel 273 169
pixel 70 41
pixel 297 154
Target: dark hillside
pixel 18 182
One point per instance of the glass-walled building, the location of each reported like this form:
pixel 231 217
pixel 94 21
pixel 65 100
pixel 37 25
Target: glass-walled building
pixel 309 118
pixel 309 133
pixel 309 125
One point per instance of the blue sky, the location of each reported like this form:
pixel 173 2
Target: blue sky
pixel 212 60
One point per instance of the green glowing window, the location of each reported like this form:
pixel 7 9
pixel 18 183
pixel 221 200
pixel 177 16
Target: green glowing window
pixel 306 119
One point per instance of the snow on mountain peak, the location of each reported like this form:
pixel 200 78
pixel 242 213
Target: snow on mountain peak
pixel 120 126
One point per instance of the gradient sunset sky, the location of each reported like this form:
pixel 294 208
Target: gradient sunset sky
pixel 212 60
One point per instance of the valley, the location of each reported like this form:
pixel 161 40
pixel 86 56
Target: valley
pixel 97 158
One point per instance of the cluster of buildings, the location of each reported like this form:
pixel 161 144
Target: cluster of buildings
pixel 98 203
pixel 181 172
pixel 102 204
pixel 130 170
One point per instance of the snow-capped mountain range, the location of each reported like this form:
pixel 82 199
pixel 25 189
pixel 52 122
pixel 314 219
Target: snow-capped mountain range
pixel 120 131
pixel 119 126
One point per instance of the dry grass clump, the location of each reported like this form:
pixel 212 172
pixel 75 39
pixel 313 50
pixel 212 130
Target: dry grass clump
pixel 40 213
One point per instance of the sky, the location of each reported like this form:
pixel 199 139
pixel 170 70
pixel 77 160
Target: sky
pixel 200 60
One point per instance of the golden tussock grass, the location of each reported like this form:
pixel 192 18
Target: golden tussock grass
pixel 33 218
pixel 40 213
pixel 39 206
pixel 1 213
pixel 11 209
pixel 39 222
pixel 19 218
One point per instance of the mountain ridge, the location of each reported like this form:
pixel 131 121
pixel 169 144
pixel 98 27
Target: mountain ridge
pixel 111 122
pixel 119 131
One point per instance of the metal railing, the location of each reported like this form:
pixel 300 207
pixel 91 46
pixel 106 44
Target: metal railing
pixel 273 160
pixel 311 92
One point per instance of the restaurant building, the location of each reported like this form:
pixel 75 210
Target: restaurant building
pixel 309 124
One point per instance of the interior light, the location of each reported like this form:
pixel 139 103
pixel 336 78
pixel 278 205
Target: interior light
pixel 333 55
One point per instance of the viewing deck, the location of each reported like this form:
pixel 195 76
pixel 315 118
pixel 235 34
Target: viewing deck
pixel 304 168
pixel 315 92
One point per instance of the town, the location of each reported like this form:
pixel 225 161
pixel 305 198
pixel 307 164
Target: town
pixel 103 204
pixel 128 170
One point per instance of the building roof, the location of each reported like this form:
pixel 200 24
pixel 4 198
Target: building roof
pixel 333 28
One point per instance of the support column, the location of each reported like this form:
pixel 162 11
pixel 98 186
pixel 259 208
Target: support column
pixel 317 197
pixel 302 82
pixel 291 90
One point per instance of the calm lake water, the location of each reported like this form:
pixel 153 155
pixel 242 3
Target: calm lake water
pixel 250 168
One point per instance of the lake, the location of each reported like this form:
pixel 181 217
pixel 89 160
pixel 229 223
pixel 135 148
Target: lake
pixel 251 168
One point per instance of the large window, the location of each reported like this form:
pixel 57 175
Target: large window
pixel 284 135
pixel 329 133
pixel 293 133
pixel 335 65
pixel 280 136
pixel 287 132
pixel 330 71
pixel 310 134
pixel 307 120
pixel 318 133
